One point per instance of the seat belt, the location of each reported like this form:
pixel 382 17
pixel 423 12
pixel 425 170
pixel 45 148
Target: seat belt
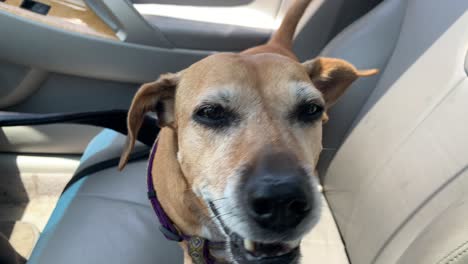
pixel 111 119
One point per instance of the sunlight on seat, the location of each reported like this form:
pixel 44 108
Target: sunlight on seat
pixel 245 16
pixel 23 134
pixel 42 179
pixel 45 164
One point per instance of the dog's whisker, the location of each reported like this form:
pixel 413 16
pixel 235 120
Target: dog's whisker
pixel 230 216
pixel 331 191
pixel 219 199
pixel 205 217
pixel 217 208
pixel 218 216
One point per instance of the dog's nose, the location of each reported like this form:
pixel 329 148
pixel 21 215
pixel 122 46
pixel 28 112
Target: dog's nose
pixel 278 192
pixel 278 206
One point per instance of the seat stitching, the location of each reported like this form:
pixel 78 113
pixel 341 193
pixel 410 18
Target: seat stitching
pixel 392 154
pixel 466 63
pixel 346 227
pixel 454 258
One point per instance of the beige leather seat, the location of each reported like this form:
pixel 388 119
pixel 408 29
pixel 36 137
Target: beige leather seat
pixel 394 168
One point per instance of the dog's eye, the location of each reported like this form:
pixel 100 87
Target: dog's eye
pixel 213 115
pixel 308 112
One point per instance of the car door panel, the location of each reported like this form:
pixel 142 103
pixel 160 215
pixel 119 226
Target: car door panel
pixel 99 63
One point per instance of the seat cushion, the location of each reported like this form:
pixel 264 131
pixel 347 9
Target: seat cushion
pixel 402 161
pixel 323 244
pixel 106 218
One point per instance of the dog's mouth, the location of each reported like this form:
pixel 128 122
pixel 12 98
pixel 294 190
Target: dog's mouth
pixel 248 251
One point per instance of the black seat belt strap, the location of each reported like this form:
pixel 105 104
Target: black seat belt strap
pixel 112 119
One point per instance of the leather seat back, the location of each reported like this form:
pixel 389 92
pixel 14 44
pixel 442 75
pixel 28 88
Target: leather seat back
pixel 395 169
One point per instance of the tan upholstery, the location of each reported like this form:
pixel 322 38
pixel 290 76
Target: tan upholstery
pixel 399 176
pixel 428 246
pixel 323 244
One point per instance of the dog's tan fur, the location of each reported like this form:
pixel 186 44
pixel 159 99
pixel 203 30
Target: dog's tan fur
pixel 260 83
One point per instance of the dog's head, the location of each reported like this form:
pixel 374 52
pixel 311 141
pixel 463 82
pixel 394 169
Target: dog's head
pixel 249 131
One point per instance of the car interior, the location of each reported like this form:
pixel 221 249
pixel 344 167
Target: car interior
pixel 394 165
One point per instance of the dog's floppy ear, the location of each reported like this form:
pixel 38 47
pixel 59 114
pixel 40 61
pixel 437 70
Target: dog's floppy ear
pixel 333 76
pixel 157 96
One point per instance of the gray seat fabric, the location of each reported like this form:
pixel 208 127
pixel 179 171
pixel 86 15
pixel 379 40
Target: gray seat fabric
pixel 208 36
pixel 199 25
pixel 105 217
pixel 252 22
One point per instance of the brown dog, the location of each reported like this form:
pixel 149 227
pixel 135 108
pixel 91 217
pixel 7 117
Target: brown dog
pixel 241 136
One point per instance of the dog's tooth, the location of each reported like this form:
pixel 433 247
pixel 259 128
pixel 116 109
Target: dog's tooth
pixel 249 245
pixel 293 244
pixel 320 188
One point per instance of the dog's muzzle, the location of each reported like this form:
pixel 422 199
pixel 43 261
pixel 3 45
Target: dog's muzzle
pixel 276 194
pixel 245 251
pixel 276 201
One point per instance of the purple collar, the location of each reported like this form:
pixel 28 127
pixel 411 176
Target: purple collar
pixel 198 247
